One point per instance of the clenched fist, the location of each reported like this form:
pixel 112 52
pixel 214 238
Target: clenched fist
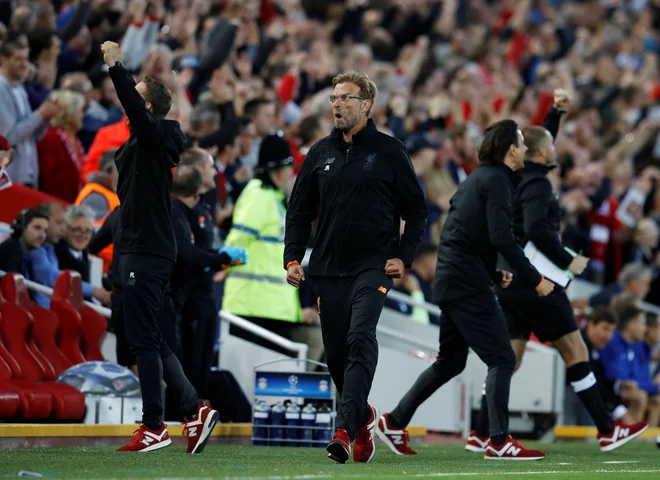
pixel 111 53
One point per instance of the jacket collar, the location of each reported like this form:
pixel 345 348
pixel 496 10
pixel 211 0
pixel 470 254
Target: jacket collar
pixel 533 167
pixel 368 130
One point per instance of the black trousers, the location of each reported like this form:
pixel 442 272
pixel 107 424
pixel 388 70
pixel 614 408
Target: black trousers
pixel 199 319
pixel 144 278
pixel 350 308
pixel 475 322
pixel 125 356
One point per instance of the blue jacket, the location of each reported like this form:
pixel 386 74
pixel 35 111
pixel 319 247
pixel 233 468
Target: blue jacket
pixel 620 363
pixel 643 370
pixel 46 270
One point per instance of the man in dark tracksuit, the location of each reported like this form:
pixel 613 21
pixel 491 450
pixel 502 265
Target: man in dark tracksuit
pixel 477 228
pixel 147 251
pixel 536 218
pixel 192 261
pixel 107 235
pixel 364 182
pixel 199 316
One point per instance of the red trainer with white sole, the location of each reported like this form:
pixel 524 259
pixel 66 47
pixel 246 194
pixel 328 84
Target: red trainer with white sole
pixel 198 430
pixel 621 434
pixel 339 449
pixel 395 438
pixel 364 447
pixel 475 443
pixel 146 440
pixel 512 450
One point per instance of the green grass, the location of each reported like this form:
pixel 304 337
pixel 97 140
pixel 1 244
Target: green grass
pixel 564 460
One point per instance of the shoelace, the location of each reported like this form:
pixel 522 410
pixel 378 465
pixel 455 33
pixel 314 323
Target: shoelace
pixel 406 439
pixel 138 435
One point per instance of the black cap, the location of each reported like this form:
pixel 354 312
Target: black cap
pixel 274 153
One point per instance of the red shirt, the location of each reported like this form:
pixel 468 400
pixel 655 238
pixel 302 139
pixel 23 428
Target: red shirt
pixel 61 158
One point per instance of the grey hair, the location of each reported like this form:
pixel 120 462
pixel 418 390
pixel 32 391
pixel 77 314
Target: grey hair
pixel 78 211
pixel 633 271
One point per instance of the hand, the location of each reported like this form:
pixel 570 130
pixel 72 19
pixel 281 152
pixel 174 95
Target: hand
pixel 102 295
pixel 505 278
pixel 243 174
pixel 310 316
pixel 580 303
pixel 410 283
pixel 295 275
pixel 545 288
pixel 578 265
pixel 238 255
pixel 394 268
pixel 562 99
pixel 220 276
pixel 50 109
pixel 111 53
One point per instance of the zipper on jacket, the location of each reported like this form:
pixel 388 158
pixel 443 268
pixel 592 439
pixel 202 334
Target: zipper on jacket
pixel 339 249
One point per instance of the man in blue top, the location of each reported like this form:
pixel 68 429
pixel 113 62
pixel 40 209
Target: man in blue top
pixel 44 260
pixel 619 363
pixel 28 233
pixel 643 358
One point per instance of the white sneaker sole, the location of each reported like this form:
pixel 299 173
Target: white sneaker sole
pixel 208 427
pixel 156 446
pixel 513 459
pixel 386 440
pixel 472 448
pixel 623 441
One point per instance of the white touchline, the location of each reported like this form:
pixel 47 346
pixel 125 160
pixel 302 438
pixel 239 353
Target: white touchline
pixel 613 462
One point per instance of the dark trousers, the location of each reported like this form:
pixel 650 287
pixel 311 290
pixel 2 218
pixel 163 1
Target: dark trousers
pixel 475 322
pixel 144 278
pixel 125 356
pixel 350 308
pixel 199 319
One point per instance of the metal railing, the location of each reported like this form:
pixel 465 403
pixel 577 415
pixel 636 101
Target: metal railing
pixel 37 287
pixel 282 342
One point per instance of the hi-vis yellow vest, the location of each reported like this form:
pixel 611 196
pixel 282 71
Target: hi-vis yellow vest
pixel 259 288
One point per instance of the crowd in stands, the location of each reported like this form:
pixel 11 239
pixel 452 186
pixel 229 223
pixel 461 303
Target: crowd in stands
pixel 240 70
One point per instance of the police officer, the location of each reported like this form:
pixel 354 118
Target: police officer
pixel 364 183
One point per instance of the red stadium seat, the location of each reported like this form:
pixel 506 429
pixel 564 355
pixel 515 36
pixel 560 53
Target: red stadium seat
pixel 66 305
pixel 93 325
pixel 68 403
pixel 33 402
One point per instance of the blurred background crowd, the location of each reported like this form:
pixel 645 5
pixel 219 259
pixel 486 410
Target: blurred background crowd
pixel 240 70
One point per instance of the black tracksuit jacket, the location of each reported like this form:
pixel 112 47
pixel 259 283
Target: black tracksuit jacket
pixel 479 226
pixel 363 189
pixel 145 163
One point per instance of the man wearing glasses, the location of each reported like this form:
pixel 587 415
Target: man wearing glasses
pixel 71 251
pixel 361 184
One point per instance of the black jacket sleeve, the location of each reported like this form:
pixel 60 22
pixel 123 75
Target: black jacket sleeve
pixel 144 123
pixel 498 217
pixel 301 211
pixel 11 259
pixel 101 239
pixel 188 253
pixel 535 197
pixel 412 207
pixel 551 122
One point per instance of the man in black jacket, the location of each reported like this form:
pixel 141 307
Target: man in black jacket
pixel 536 218
pixel 147 252
pixel 365 184
pixel 478 227
pixel 28 232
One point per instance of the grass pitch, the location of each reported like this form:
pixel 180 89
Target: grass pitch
pixel 564 460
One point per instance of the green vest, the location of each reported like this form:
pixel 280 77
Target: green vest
pixel 259 288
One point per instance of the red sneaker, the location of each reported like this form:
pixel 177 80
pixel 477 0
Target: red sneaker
pixel 621 434
pixel 146 440
pixel 339 449
pixel 475 443
pixel 512 450
pixel 364 446
pixel 198 430
pixel 395 438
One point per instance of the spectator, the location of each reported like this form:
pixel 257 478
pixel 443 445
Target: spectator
pixel 262 114
pixel 635 278
pixel 44 260
pixel 71 251
pixel 644 355
pixel 110 137
pixel 28 233
pixel 18 123
pixel 61 155
pixel 600 327
pixel 619 364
